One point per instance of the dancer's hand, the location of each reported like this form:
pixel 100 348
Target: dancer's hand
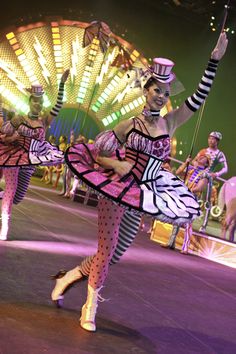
pixel 8 139
pixel 2 138
pixel 65 76
pixel 220 47
pixel 122 167
pixel 213 174
pixel 188 160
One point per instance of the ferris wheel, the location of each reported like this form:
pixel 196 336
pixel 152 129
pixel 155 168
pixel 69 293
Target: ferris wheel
pixel 106 72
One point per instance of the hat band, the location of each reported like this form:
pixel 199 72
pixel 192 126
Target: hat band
pixel 37 93
pixel 161 77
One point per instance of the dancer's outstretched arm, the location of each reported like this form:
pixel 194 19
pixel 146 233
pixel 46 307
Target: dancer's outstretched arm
pixel 179 116
pixel 56 109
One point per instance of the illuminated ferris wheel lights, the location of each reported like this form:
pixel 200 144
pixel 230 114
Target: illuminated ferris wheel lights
pixel 95 108
pixel 136 104
pixel 101 100
pixel 114 116
pixel 10 35
pixel 105 122
pixel 98 74
pixel 13 100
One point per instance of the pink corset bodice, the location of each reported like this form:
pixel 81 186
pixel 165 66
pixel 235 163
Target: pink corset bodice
pixel 158 147
pixel 146 154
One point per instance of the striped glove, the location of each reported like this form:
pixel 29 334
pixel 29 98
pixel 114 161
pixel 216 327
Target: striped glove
pixel 194 102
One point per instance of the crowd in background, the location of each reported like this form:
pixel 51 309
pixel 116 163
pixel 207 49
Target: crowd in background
pixel 52 175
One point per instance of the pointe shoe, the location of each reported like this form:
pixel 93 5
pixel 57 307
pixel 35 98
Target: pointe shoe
pixel 88 313
pixel 184 252
pixel 3 236
pixel 64 281
pixel 87 319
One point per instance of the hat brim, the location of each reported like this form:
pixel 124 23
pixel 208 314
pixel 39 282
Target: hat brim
pixel 38 94
pixel 164 81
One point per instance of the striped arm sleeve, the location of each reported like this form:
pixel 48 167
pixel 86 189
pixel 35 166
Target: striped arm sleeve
pixel 195 101
pixel 55 110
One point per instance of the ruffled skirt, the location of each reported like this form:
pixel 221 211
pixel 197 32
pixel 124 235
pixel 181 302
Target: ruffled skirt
pixel 166 198
pixel 27 151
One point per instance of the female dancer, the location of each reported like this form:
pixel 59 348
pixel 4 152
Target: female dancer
pixel 138 183
pixel 22 144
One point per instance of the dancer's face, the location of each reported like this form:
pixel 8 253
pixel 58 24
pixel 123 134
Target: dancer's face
pixel 202 161
pixel 36 104
pixel 212 142
pixel 157 95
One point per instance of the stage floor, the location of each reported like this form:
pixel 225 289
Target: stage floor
pixel 160 301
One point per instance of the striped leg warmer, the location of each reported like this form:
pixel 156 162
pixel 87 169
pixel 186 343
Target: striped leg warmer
pixel 23 183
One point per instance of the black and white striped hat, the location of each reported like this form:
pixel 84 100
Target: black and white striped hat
pixel 161 70
pixel 36 90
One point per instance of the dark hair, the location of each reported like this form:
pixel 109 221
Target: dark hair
pixel 150 82
pixel 52 138
pixel 10 115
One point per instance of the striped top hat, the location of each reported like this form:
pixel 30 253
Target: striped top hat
pixel 36 90
pixel 161 70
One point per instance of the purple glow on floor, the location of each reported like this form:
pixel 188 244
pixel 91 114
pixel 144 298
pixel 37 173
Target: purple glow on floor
pixel 87 213
pixel 136 255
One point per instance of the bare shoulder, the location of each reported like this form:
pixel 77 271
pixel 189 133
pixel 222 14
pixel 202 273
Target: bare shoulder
pixel 17 120
pixel 124 124
pixel 123 128
pixel 44 118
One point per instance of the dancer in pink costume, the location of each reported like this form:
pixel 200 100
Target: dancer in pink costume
pixel 138 183
pixel 227 197
pixel 23 145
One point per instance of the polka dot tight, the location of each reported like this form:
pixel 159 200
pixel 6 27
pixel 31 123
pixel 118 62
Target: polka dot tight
pixel 11 178
pixel 109 218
